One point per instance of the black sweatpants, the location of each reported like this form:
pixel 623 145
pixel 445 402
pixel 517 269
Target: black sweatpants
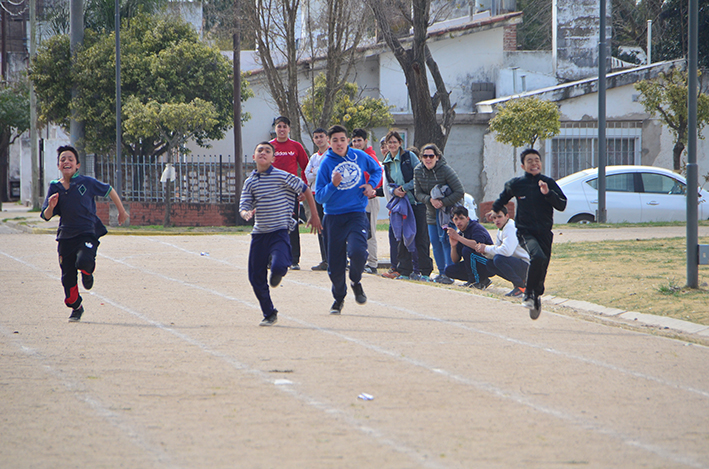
pixel 538 245
pixel 76 254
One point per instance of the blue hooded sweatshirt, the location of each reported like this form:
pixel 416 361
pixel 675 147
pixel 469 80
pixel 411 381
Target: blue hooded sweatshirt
pixel 348 196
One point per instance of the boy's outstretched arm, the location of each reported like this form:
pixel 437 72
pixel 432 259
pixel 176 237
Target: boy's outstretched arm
pixel 122 214
pixel 314 220
pixel 48 212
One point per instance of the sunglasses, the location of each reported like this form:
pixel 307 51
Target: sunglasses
pixel 426 155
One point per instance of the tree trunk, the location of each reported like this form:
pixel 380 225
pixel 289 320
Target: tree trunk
pixel 168 203
pixel 414 63
pixel 677 155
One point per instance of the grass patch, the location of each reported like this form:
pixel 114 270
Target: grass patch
pixel 646 276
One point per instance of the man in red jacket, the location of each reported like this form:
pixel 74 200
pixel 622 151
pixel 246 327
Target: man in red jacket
pixel 290 156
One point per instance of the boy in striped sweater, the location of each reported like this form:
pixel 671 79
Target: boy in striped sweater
pixel 268 196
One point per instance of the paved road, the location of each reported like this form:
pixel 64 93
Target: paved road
pixel 169 369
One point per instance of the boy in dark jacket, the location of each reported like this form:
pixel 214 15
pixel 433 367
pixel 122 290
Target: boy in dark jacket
pixel 537 196
pixel 72 198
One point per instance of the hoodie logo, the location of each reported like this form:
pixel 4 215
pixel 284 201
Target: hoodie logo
pixel 351 175
pixel 89 244
pixel 82 189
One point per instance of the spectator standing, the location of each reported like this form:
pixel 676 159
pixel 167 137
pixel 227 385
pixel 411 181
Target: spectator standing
pixel 311 171
pixel 438 186
pixel 360 141
pixel 537 196
pixel 290 157
pixel 399 168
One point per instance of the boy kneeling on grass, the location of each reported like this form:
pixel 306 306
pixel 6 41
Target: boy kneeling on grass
pixel 72 198
pixel 268 196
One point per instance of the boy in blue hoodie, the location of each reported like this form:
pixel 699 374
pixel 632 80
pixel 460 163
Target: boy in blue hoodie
pixel 341 189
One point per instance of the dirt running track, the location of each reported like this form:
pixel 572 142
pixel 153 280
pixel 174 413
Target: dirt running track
pixel 170 369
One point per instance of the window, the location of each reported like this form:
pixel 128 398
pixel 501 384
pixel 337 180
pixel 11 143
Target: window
pixel 576 147
pixel 659 184
pixel 616 183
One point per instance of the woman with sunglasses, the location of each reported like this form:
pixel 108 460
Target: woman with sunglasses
pixel 433 175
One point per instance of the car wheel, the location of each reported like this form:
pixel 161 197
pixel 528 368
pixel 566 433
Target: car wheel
pixel 582 219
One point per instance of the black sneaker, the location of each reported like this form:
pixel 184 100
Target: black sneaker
pixel 336 307
pixel 360 297
pixel 275 280
pixel 482 284
pixel 76 314
pixel 444 279
pixel 87 280
pixel 320 266
pixel 537 310
pixel 370 270
pixel 270 320
pixel 528 301
pixel 295 267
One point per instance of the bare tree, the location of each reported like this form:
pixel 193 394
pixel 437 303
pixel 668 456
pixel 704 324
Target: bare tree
pixel 341 25
pixel 274 26
pixel 414 61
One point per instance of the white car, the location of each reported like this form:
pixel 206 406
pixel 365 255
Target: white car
pixel 634 194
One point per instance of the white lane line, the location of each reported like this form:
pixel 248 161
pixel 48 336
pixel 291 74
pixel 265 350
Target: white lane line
pixel 340 415
pixel 545 348
pixel 481 385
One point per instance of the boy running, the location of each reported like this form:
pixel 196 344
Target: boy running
pixel 72 198
pixel 537 196
pixel 268 196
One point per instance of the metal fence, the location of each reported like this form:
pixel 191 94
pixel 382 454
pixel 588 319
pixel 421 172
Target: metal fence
pixel 206 179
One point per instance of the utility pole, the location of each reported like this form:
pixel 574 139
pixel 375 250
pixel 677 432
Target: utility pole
pixel 601 214
pixel 76 38
pixel 119 163
pixel 692 169
pixel 33 112
pixel 238 160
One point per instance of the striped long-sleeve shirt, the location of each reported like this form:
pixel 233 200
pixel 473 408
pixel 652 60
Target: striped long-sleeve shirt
pixel 272 193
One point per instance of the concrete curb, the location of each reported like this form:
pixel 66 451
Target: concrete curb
pixel 633 317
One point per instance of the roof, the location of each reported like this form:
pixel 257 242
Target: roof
pixel 586 86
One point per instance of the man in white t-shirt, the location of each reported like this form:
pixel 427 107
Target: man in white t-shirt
pixel 509 260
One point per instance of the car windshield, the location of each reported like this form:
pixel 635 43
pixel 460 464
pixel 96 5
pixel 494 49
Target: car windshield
pixel 616 183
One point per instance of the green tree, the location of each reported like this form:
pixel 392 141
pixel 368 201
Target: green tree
pixel 14 120
pixel 174 124
pixel 162 60
pixel 666 99
pixel 521 122
pixel 350 109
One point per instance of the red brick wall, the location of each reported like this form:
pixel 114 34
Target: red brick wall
pixel 485 207
pixel 510 38
pixel 182 214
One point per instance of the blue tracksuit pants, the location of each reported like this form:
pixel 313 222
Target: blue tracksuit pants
pixel 345 236
pixel 276 246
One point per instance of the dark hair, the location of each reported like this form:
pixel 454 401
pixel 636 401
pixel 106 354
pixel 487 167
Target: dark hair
pixel 395 134
pixel 360 133
pixel 265 143
pixel 319 130
pixel 459 210
pixel 64 148
pixel 434 147
pixel 529 151
pixel 336 129
pixel 415 151
pixel 283 119
pixel 503 209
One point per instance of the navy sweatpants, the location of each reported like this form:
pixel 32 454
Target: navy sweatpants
pixel 345 236
pixel 472 267
pixel 76 254
pixel 276 246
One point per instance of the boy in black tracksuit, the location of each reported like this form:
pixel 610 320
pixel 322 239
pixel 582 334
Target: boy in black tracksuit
pixel 537 196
